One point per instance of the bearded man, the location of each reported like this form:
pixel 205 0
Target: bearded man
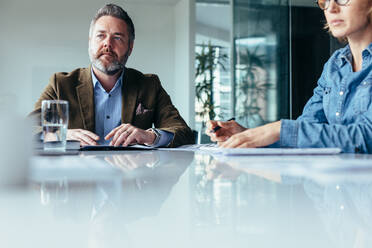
pixel 109 103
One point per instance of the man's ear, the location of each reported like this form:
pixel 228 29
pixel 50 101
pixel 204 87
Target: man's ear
pixel 130 48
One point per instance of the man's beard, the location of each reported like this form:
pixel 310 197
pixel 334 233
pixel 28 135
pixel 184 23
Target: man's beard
pixel 113 67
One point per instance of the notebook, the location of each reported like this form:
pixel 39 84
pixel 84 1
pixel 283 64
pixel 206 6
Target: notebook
pixel 115 148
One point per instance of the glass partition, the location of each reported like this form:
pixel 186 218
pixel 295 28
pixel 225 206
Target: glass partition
pixel 265 57
pixel 261 61
pixel 212 62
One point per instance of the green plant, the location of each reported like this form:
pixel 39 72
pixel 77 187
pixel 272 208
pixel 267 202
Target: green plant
pixel 206 63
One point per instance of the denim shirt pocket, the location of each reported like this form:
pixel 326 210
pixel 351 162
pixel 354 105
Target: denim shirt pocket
pixel 362 97
pixel 326 99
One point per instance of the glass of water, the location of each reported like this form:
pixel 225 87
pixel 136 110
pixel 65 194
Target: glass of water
pixel 54 119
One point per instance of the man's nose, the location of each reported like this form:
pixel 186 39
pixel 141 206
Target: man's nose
pixel 107 42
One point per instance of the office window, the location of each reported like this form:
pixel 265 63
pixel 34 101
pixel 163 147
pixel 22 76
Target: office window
pixel 261 61
pixel 275 52
pixel 249 42
pixel 212 51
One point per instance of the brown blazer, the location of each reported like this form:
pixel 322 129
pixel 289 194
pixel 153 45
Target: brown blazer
pixel 144 102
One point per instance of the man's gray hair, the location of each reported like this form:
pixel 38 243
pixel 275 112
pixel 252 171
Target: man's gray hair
pixel 114 11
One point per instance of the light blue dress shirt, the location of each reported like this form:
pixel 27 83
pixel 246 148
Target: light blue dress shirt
pixel 108 107
pixel 339 114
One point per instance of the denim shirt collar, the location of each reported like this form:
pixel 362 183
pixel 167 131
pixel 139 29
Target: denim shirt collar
pixel 346 56
pixel 117 84
pixel 367 51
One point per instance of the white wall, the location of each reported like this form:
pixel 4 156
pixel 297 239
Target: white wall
pixel 184 59
pixel 155 41
pixel 41 37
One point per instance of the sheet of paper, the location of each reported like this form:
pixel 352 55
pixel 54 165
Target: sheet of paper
pixel 270 151
pixel 189 148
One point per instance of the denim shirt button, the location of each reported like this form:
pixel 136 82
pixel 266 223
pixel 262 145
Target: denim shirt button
pixel 341 93
pixel 337 113
pixel 364 83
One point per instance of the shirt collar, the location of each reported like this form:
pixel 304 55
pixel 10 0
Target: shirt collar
pixel 368 50
pixel 117 84
pixel 346 55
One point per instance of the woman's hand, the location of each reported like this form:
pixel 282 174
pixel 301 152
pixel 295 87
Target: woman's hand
pixel 227 129
pixel 256 137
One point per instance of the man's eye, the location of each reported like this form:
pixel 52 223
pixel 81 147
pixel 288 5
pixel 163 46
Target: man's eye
pixel 117 38
pixel 100 36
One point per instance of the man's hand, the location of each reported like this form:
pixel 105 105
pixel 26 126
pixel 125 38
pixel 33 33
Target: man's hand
pixel 255 137
pixel 131 161
pixel 84 136
pixel 126 134
pixel 228 128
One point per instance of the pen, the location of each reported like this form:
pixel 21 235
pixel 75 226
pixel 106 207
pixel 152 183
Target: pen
pixel 216 128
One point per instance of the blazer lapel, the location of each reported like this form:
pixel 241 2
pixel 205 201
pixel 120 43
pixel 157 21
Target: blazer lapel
pixel 85 96
pixel 129 97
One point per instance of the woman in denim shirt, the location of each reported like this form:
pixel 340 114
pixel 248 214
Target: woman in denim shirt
pixel 339 114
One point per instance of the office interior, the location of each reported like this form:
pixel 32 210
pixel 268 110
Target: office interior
pixel 268 55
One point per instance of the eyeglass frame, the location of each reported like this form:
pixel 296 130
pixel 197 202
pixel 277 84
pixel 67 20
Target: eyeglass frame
pixel 336 1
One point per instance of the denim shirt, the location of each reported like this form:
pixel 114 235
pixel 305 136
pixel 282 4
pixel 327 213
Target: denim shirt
pixel 339 114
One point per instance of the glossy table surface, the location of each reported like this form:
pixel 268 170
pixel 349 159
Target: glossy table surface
pixel 187 199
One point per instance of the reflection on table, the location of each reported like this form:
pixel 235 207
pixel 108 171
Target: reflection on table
pixel 187 199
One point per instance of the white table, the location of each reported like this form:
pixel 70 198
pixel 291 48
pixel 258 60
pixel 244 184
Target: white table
pixel 182 199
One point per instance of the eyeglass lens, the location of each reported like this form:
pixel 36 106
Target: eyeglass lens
pixel 324 4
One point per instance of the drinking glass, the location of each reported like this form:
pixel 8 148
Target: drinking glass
pixel 54 119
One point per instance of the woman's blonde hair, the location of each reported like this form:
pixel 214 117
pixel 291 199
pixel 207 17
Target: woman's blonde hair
pixel 344 39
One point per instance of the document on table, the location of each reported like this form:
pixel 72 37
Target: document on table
pixel 270 151
pixel 214 149
pixel 189 148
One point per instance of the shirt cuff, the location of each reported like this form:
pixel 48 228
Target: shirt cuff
pixel 288 133
pixel 165 138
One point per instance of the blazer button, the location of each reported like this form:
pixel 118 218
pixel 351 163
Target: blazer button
pixel 108 117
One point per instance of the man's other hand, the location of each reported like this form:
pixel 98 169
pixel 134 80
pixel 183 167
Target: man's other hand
pixel 84 136
pixel 126 134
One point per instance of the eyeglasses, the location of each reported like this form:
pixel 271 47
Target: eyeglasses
pixel 324 4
